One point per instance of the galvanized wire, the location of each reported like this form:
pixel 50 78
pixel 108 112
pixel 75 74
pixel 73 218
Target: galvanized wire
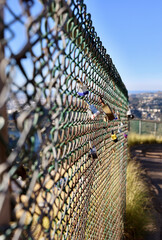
pixel 148 127
pixel 65 169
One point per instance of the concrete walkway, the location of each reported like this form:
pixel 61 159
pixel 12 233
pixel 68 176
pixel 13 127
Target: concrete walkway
pixel 150 156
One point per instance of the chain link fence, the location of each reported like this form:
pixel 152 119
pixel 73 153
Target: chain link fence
pixel 146 127
pixel 63 125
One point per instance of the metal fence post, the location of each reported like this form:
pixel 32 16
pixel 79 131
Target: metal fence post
pixel 155 128
pixel 140 126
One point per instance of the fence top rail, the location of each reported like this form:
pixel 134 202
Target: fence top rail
pixel 146 120
pixel 92 40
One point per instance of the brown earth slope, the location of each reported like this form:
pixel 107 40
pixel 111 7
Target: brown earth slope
pixel 150 156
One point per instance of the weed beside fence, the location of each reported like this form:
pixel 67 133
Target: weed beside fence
pixel 134 139
pixel 138 203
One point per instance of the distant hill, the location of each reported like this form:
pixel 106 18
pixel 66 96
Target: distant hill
pixel 141 91
pixel 146 105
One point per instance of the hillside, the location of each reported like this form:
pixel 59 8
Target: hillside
pixel 147 105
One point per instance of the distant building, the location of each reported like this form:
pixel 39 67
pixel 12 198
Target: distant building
pixel 147 105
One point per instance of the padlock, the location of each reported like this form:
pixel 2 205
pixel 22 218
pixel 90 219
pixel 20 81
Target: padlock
pixel 2 122
pixel 129 114
pixel 113 136
pixel 92 111
pixel 105 118
pixel 118 115
pixel 82 89
pixel 106 109
pixel 120 127
pixel 93 153
pixel 115 116
pixel 119 130
pixel 125 135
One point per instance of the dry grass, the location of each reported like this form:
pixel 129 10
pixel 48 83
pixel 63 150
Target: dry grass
pixel 134 139
pixel 138 203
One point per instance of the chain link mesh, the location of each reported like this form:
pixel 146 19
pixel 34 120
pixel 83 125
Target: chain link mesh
pixel 148 127
pixel 65 166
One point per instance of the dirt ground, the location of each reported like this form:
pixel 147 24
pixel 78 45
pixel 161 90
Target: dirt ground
pixel 150 157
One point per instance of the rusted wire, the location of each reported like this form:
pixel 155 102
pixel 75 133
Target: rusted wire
pixel 66 172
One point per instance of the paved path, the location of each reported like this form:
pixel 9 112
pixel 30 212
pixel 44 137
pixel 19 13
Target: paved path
pixel 150 156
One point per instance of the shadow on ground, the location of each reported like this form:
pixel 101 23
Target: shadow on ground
pixel 150 157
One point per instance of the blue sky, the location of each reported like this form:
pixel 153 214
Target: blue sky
pixel 131 31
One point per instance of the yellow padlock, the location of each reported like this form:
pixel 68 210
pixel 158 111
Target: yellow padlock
pixel 113 136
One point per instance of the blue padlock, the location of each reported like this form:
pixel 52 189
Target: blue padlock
pixel 82 88
pixel 93 153
pixel 93 111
